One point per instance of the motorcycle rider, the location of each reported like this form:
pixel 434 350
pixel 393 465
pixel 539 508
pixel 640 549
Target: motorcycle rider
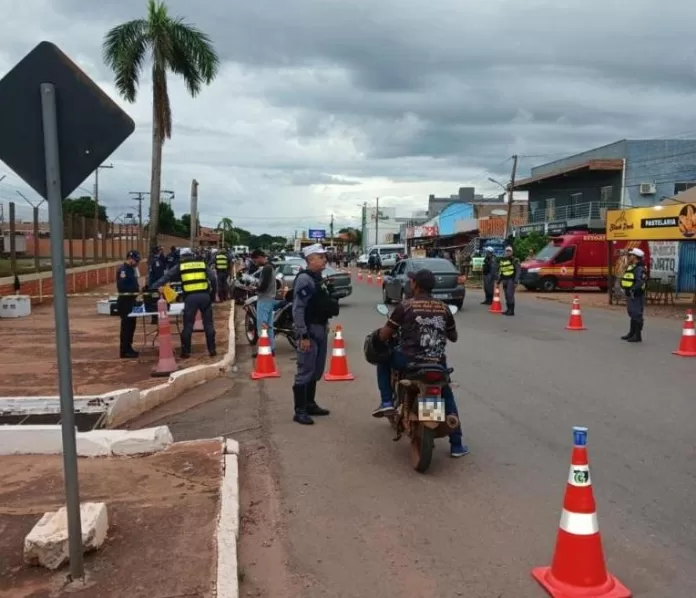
pixel 426 325
pixel 266 293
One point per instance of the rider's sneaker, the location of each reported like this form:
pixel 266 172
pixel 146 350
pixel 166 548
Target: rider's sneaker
pixel 461 450
pixel 385 408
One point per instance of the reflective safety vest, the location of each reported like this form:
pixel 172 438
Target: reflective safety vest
pixel 194 277
pixel 221 262
pixel 629 278
pixel 506 267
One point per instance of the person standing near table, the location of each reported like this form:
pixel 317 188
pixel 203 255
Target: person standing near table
pixel 128 288
pixel 156 268
pixel 312 308
pixel 196 282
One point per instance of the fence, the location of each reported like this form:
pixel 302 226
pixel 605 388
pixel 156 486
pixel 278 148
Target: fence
pixel 25 240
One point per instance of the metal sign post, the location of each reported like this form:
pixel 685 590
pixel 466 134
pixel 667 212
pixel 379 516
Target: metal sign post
pixel 60 306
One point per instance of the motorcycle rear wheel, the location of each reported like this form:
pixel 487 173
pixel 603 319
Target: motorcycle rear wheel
pixel 422 445
pixel 250 330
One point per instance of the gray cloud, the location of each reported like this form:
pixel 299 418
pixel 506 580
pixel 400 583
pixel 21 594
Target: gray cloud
pixel 324 104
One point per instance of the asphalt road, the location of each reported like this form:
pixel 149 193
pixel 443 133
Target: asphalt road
pixel 357 521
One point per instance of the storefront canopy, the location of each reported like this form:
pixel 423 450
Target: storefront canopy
pixel 664 222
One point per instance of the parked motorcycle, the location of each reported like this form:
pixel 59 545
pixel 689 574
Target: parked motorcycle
pixel 419 408
pixel 283 323
pixel 243 287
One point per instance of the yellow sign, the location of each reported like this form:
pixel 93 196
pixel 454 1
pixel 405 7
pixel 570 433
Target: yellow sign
pixel 673 222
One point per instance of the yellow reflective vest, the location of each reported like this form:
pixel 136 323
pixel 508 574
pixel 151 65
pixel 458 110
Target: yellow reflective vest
pixel 194 277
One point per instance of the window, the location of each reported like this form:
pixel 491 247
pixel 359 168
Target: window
pixel 534 211
pixel 679 187
pixel 606 196
pixel 551 208
pixel 400 269
pixel 573 206
pixel 565 255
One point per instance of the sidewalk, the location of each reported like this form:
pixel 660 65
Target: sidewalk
pixel 163 511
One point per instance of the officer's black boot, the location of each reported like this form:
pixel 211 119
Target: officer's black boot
pixel 312 407
pixel 301 415
pixel 510 310
pixel 638 335
pixel 631 332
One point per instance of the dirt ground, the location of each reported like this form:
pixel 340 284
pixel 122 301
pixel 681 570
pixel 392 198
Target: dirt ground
pixel 27 353
pixel 592 298
pixel 162 511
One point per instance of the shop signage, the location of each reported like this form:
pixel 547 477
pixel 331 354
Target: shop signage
pixel 657 223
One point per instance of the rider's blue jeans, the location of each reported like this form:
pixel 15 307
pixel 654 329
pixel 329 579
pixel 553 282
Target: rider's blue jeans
pixel 399 362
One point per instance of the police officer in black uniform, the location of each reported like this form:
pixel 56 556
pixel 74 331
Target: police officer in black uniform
pixel 172 258
pixel 157 266
pixel 197 280
pixel 633 283
pixel 127 282
pixel 312 307
pixel 222 270
pixel 509 276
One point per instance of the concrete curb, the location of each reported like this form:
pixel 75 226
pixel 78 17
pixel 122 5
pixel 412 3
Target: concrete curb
pixel 48 440
pixel 121 406
pixel 228 524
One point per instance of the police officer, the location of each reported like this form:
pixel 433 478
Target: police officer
pixel 127 282
pixel 633 283
pixel 172 258
pixel 157 266
pixel 222 270
pixel 312 307
pixel 509 277
pixel 490 274
pixel 196 281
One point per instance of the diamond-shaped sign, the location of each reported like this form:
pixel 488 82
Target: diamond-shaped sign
pixel 90 124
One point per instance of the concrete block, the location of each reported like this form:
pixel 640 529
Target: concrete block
pixel 137 442
pixel 47 543
pixel 231 447
pixel 228 531
pixel 30 440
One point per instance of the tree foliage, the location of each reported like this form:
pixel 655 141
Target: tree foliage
pixel 533 241
pixel 83 206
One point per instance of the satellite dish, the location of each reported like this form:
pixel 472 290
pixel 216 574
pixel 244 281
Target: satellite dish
pixel 499 212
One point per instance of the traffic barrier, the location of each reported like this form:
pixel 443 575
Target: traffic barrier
pixel 495 307
pixel 575 320
pixel 166 364
pixel 687 344
pixel 578 569
pixel 338 367
pixel 265 366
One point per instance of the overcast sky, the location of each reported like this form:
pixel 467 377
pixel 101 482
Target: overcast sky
pixel 321 105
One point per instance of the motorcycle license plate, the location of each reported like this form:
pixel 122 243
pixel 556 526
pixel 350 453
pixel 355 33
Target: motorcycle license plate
pixel 431 409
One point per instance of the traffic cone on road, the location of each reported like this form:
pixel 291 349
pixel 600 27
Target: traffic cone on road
pixel 369 279
pixel 166 364
pixel 687 344
pixel 379 280
pixel 338 368
pixel 495 307
pixel 359 275
pixel 575 320
pixel 578 569
pixel 265 366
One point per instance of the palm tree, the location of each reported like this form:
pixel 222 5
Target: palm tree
pixel 175 46
pixel 226 227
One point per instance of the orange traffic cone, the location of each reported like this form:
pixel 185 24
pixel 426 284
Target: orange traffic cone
pixel 578 569
pixel 360 275
pixel 495 307
pixel 166 364
pixel 378 282
pixel 575 320
pixel 198 322
pixel 265 366
pixel 687 345
pixel 369 279
pixel 338 368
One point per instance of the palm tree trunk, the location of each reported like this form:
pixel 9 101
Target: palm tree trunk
pixel 155 175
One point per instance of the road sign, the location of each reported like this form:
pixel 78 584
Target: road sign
pixel 313 233
pixel 58 127
pixel 90 124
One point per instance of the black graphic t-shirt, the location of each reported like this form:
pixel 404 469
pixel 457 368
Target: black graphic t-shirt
pixel 424 323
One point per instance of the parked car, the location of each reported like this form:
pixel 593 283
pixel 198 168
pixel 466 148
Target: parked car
pixel 340 283
pixel 449 283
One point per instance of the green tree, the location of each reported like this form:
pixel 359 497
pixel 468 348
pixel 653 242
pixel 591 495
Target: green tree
pixel 83 206
pixel 185 223
pixel 533 241
pixel 226 226
pixel 174 46
pixel 168 224
pixel 354 236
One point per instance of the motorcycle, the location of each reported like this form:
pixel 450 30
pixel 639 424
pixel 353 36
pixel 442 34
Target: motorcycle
pixel 243 288
pixel 419 407
pixel 283 323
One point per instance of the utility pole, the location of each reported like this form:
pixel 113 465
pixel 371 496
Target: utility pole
pixel 511 190
pixel 194 212
pixel 331 229
pixel 377 223
pixel 363 240
pixel 140 197
pixel 96 206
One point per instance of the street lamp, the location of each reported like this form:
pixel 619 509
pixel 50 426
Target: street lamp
pixel 492 180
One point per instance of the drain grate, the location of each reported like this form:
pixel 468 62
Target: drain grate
pixel 84 422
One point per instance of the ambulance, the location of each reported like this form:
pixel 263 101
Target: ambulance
pixel 577 259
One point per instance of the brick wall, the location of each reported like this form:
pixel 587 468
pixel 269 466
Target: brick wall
pixel 78 280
